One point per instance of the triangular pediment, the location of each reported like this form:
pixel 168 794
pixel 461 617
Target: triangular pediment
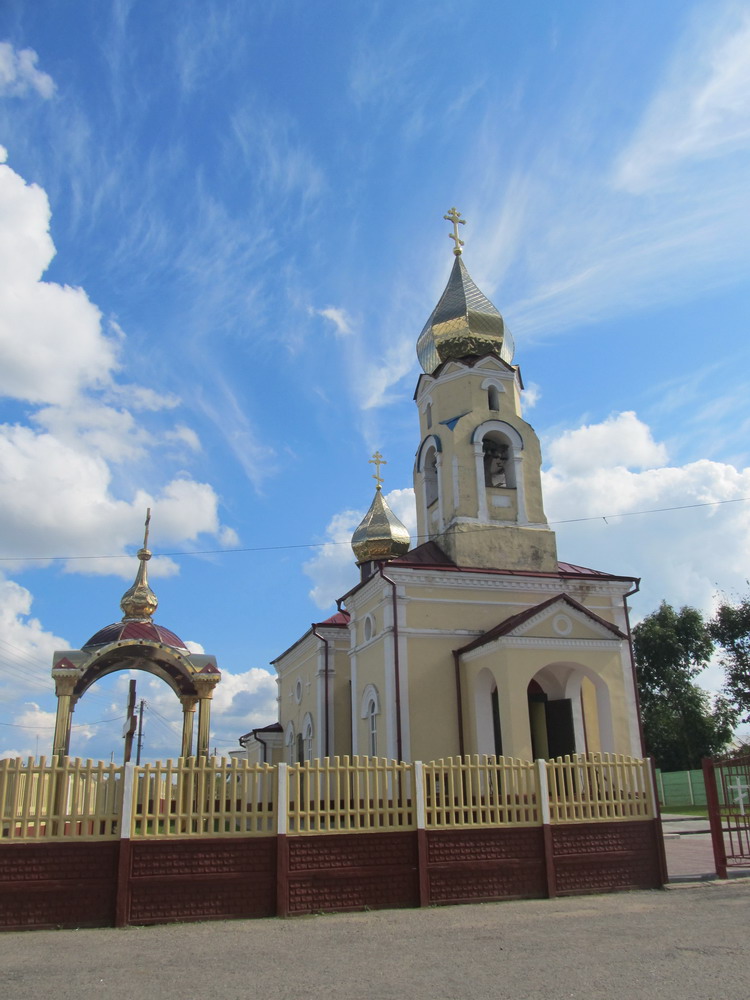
pixel 560 618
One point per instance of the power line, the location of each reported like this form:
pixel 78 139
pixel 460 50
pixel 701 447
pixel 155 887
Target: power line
pixel 320 545
pixel 80 725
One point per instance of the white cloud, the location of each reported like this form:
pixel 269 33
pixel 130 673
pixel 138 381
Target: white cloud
pixel 18 73
pixel 26 647
pixel 57 494
pixel 51 340
pixel 684 552
pixel 531 395
pixel 621 440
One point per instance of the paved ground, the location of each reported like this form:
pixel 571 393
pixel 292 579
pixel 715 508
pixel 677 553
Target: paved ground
pixel 687 842
pixel 686 943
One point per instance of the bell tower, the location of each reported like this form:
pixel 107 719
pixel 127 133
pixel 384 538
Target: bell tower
pixel 477 474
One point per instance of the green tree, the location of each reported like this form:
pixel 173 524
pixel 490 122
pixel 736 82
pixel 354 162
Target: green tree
pixel 730 628
pixel 680 723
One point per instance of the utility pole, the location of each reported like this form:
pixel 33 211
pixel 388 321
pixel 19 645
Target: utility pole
pixel 140 730
pixel 129 728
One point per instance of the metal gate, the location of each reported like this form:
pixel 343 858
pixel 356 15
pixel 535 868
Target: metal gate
pixel 728 795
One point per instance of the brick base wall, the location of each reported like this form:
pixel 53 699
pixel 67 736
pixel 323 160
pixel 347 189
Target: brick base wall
pixel 58 884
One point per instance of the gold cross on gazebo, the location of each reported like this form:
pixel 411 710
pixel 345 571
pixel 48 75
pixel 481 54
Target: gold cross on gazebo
pixel 377 460
pixel 454 216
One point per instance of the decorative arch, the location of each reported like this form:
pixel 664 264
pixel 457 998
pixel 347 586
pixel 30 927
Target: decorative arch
pixel 193 683
pixel 138 643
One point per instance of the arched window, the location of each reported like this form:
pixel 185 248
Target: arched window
pixel 428 415
pixel 370 710
pixel 430 477
pixel 493 398
pixel 291 745
pixel 372 719
pixel 307 731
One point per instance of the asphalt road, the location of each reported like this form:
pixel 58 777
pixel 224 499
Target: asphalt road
pixel 687 942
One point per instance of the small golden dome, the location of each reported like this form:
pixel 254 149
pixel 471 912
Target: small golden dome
pixel 139 601
pixel 380 535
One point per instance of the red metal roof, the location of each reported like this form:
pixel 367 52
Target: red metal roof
pixel 134 631
pixel 340 618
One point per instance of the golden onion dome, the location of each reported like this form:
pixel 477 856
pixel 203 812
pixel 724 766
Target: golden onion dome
pixel 380 535
pixel 139 601
pixel 464 322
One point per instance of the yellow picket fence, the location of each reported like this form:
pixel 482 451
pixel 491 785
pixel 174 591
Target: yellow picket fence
pixel 212 798
pixel 481 791
pixel 598 788
pixel 65 797
pixel 68 798
pixel 357 794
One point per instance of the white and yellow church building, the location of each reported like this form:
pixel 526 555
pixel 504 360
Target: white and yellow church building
pixel 478 640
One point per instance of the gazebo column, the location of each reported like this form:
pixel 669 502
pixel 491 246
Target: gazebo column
pixel 205 681
pixel 65 681
pixel 188 724
pixel 204 725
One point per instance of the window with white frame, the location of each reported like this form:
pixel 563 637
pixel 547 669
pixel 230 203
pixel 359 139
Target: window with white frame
pixel 291 745
pixel 372 728
pixel 307 731
pixel 370 710
pixel 369 628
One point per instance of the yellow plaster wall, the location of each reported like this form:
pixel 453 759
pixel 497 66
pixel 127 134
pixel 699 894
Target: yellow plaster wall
pixel 432 685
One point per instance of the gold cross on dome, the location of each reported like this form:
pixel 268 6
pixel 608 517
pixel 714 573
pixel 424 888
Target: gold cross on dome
pixel 377 460
pixel 454 216
pixel 148 521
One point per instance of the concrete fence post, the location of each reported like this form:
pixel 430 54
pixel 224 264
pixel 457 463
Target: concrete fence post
pixel 282 845
pixel 420 810
pixel 122 900
pixel 549 848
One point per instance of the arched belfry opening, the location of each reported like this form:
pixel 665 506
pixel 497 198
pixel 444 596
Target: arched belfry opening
pixel 136 642
pixel 498 460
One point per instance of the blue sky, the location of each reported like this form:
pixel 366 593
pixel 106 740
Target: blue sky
pixel 220 235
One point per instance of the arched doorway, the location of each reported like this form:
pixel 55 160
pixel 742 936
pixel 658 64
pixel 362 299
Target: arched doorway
pixel 569 711
pixel 487 710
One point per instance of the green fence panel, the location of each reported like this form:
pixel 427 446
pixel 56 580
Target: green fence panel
pixel 681 788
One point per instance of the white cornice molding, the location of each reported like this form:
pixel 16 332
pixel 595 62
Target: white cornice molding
pixel 565 646
pixel 450 579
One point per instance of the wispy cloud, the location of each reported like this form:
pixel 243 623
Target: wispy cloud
pixel 19 74
pixel 574 236
pixel 702 108
pixel 339 317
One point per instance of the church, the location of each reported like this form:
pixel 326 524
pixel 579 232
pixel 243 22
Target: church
pixel 478 640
